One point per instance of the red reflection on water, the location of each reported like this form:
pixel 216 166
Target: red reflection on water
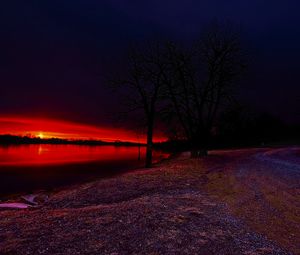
pixel 46 154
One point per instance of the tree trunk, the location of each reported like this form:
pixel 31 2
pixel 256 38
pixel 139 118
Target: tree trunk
pixel 149 144
pixel 199 146
pixel 198 153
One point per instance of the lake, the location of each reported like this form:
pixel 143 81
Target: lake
pixel 29 168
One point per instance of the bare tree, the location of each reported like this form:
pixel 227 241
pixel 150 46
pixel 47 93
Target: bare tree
pixel 193 84
pixel 142 87
pixel 199 81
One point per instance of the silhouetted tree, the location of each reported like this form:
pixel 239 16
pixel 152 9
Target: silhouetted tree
pixel 199 81
pixel 142 87
pixel 191 85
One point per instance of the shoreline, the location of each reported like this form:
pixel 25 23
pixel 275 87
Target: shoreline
pixel 179 205
pixel 17 197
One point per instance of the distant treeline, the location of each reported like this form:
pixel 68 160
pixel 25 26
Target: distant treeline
pixel 239 128
pixel 12 139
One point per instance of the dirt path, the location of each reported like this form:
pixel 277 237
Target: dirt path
pixel 264 190
pixel 175 208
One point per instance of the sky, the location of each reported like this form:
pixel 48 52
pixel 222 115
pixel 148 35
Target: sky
pixel 46 128
pixel 55 55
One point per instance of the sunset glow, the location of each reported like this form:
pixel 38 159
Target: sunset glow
pixel 41 135
pixel 50 128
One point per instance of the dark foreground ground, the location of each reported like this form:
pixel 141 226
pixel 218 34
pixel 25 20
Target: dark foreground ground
pixel 231 202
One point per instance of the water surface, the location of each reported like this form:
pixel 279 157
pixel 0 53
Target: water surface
pixel 28 168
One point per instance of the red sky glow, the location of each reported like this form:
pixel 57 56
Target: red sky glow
pixel 48 128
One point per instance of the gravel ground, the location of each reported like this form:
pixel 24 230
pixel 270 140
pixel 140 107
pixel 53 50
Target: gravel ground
pixel 181 206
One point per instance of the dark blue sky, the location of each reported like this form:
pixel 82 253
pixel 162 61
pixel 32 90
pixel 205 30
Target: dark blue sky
pixel 54 54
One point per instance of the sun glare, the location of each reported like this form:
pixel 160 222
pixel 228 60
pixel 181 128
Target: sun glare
pixel 40 135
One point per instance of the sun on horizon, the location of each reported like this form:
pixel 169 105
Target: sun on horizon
pixel 53 128
pixel 40 135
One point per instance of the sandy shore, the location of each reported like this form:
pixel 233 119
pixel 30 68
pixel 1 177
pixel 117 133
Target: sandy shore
pixel 231 202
